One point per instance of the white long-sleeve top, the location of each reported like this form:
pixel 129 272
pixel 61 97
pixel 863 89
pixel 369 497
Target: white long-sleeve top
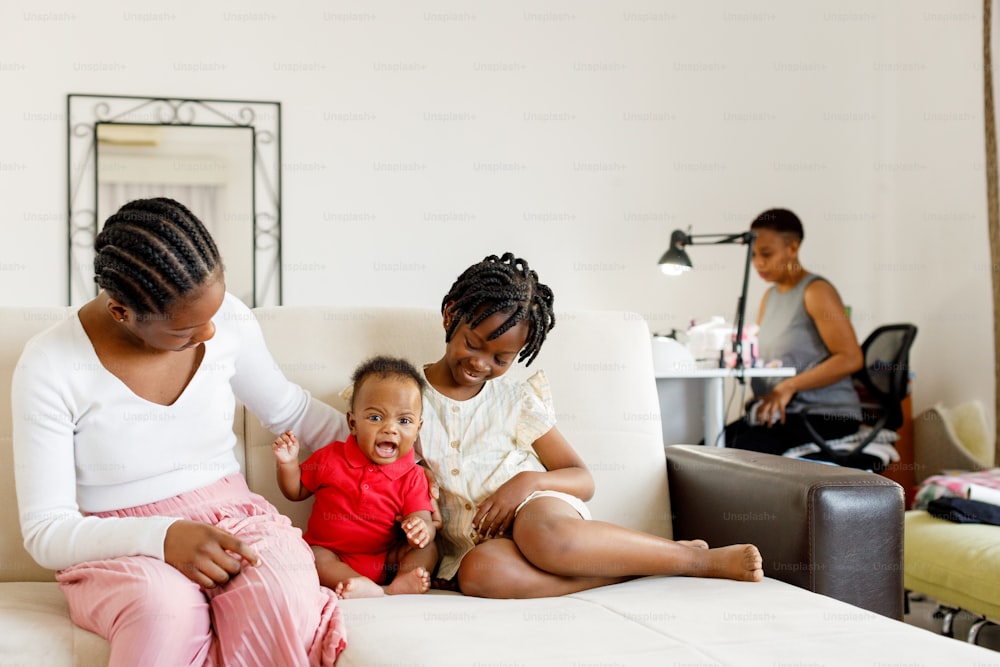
pixel 84 442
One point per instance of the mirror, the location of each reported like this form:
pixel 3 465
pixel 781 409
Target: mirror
pixel 220 158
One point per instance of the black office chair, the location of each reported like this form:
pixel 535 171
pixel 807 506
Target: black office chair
pixel 882 384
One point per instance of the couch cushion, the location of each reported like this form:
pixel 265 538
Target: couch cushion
pixel 19 324
pixel 650 621
pixel 956 564
pixel 36 629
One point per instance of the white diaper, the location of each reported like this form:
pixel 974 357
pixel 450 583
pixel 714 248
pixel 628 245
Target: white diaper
pixel 572 500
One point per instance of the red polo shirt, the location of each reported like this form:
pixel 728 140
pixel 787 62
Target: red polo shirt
pixel 357 501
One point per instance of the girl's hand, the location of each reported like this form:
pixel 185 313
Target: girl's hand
pixel 496 514
pixel 417 532
pixel 206 555
pixel 286 448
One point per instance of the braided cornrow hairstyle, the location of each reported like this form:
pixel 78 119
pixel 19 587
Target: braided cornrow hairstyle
pixel 153 252
pixel 502 284
pixel 384 367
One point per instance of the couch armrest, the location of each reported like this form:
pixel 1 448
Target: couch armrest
pixel 831 530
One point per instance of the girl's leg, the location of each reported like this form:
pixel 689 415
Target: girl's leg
pixel 497 569
pixel 576 554
pixel 276 613
pixel 554 538
pixel 149 612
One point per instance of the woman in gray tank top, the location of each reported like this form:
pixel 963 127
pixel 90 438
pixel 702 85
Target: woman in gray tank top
pixel 803 323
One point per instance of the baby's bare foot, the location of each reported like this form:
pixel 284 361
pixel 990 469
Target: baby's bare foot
pixel 417 580
pixel 358 587
pixel 695 544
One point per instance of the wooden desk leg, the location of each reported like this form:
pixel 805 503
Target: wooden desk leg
pixel 902 471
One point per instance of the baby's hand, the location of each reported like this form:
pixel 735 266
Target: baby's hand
pixel 417 533
pixel 286 448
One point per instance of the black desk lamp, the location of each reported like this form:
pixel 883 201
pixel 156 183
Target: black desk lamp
pixel 675 261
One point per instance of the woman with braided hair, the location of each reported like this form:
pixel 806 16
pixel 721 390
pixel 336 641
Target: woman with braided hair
pixel 126 479
pixel 512 489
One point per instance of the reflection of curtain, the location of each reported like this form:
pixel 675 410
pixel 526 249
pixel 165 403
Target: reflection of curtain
pixel 203 200
pixel 992 195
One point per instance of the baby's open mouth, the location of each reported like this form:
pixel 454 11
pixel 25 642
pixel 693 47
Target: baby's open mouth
pixel 386 449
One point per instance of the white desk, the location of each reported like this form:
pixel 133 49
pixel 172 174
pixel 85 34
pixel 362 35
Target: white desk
pixel 676 399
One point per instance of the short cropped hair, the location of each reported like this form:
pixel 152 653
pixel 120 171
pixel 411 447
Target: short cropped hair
pixel 782 221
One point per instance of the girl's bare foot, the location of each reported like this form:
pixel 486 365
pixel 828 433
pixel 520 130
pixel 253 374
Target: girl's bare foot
pixel 741 562
pixel 417 580
pixel 694 544
pixel 358 587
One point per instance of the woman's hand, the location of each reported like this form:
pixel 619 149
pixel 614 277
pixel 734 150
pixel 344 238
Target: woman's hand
pixel 772 406
pixel 496 514
pixel 206 555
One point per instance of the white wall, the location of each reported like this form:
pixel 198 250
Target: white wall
pixel 419 137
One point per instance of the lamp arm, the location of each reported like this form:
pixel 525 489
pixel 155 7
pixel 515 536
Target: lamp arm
pixel 719 239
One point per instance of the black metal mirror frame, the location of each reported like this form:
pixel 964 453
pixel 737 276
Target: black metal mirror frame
pixel 85 112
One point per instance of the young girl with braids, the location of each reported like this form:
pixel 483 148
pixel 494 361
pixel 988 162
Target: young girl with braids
pixel 126 479
pixel 512 488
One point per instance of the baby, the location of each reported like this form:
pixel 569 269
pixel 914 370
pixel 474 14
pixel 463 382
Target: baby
pixel 364 485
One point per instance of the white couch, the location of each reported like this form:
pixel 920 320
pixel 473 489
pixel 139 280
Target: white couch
pixel 825 533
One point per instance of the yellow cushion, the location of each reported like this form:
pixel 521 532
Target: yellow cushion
pixel 969 423
pixel 956 564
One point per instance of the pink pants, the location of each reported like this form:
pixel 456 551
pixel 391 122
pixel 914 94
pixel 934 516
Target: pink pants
pixel 274 615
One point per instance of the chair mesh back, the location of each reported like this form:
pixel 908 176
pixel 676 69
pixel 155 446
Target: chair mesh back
pixel 887 367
